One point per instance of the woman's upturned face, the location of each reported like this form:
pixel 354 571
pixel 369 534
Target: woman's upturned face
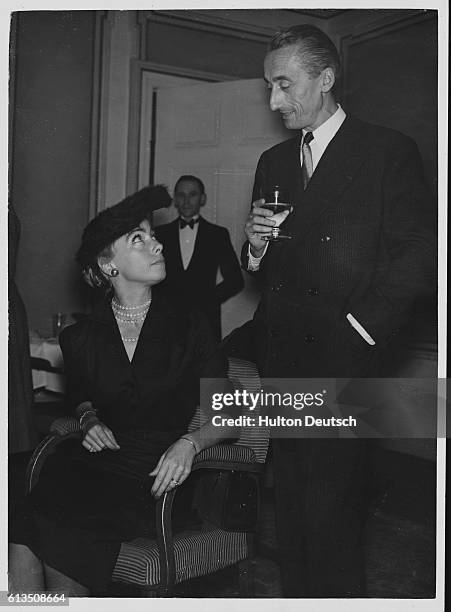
pixel 138 256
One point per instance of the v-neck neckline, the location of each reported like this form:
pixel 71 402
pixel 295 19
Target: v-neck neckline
pixel 119 336
pixel 159 307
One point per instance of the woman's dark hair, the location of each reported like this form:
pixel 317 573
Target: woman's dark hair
pixel 92 272
pixel 111 224
pixel 315 48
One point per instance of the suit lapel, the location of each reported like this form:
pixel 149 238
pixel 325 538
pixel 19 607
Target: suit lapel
pixel 173 247
pixel 200 245
pixel 332 176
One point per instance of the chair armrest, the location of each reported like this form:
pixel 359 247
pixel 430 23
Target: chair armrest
pixel 65 425
pixel 61 429
pixel 234 457
pixel 218 458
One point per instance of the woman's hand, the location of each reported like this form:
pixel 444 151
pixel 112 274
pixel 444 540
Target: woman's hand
pixel 98 437
pixel 173 467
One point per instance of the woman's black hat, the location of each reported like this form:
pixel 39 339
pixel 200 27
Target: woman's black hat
pixel 114 222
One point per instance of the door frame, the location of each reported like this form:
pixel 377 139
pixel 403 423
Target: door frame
pixel 138 69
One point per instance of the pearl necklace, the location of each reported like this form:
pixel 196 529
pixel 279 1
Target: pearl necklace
pixel 121 313
pixel 116 304
pixel 135 319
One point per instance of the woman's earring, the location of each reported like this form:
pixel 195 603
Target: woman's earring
pixel 114 272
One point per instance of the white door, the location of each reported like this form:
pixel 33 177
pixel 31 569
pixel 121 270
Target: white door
pixel 152 82
pixel 217 132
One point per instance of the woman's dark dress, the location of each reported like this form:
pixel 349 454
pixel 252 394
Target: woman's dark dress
pixel 85 504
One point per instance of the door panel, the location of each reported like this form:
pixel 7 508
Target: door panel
pixel 217 132
pixel 151 82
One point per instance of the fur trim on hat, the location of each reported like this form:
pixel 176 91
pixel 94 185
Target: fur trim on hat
pixel 114 222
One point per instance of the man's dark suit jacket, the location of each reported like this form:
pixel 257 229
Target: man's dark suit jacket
pixel 196 285
pixel 363 243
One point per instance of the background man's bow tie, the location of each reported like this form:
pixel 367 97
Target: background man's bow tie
pixel 191 223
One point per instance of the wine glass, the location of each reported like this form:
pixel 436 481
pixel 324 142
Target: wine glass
pixel 277 200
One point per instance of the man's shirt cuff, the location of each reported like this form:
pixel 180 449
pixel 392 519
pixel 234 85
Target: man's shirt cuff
pixel 362 331
pixel 253 263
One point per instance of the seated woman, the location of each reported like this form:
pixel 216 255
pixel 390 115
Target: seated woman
pixel 133 370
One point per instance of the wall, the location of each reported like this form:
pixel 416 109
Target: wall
pixel 126 36
pixel 227 42
pixel 52 80
pixel 391 76
pixel 245 62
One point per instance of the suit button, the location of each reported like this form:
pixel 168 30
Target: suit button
pixel 312 291
pixel 309 338
pixel 276 287
pixel 325 238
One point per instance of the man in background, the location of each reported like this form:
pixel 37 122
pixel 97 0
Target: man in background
pixel 195 250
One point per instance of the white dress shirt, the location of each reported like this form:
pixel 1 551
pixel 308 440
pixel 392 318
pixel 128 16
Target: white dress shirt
pixel 321 139
pixel 323 135
pixel 187 239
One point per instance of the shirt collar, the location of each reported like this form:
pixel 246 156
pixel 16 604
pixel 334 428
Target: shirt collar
pixel 327 130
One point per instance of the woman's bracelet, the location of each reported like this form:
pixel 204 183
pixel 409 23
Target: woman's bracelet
pixel 88 419
pixel 84 407
pixel 191 442
pixel 86 413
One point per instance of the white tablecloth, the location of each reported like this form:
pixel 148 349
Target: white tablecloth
pixel 47 348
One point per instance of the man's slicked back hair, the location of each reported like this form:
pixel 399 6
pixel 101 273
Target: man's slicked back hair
pixel 315 48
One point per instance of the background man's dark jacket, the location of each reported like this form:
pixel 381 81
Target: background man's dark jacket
pixel 196 285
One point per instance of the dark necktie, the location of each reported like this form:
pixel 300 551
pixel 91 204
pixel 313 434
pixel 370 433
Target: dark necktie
pixel 191 223
pixel 307 162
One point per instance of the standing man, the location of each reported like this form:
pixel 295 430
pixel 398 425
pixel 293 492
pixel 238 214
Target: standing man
pixel 362 253
pixel 195 250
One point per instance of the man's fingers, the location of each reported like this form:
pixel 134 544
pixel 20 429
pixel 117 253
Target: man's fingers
pixel 257 211
pixel 258 220
pixel 258 203
pixel 261 229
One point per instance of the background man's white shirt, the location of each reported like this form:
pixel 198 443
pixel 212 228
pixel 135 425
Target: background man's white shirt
pixel 187 238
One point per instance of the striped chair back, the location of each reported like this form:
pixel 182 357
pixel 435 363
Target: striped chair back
pixel 244 375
